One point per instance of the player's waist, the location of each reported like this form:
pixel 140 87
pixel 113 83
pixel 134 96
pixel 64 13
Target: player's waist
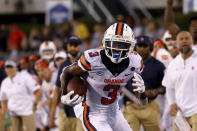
pixel 102 109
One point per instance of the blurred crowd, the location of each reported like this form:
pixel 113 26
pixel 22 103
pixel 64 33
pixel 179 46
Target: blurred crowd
pixel 47 50
pixel 16 42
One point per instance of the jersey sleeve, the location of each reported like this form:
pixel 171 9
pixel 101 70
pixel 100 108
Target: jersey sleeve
pixel 88 59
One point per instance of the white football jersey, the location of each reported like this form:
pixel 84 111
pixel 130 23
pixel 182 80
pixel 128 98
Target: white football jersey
pixel 49 87
pixel 104 87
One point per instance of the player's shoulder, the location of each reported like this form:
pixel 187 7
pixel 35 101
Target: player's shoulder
pixel 135 62
pixel 89 59
pixel 92 55
pixel 135 58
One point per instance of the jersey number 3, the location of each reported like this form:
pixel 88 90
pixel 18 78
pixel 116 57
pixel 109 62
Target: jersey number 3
pixel 112 94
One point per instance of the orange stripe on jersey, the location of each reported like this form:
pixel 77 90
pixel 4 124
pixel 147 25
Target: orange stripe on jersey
pixel 119 28
pixel 84 63
pixel 87 124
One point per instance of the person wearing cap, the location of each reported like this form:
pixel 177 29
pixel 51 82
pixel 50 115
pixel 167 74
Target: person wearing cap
pixel 48 79
pixel 16 97
pixel 69 122
pixel 160 52
pixel 2 77
pixel 148 115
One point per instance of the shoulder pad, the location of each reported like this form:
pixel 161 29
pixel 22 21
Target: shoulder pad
pixel 88 58
pixel 136 62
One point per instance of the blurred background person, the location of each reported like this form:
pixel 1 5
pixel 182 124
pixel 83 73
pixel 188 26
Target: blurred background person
pixel 148 115
pixel 3 125
pixel 67 118
pixel 170 44
pixel 161 53
pixel 48 79
pixel 16 97
pixel 16 41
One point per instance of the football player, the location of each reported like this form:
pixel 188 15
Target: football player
pixel 107 71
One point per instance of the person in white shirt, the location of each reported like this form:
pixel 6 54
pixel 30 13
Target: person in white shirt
pixel 170 43
pixel 16 97
pixel 180 80
pixel 160 52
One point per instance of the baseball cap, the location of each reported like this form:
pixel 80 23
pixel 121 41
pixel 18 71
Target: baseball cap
pixel 74 40
pixel 10 63
pixel 143 40
pixel 60 54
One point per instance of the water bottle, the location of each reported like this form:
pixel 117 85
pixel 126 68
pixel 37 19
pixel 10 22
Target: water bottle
pixel 7 119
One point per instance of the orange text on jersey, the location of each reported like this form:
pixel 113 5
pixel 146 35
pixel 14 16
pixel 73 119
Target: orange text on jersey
pixel 117 81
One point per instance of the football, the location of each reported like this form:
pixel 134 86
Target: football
pixel 77 85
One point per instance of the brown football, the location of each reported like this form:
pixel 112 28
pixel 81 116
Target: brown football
pixel 77 85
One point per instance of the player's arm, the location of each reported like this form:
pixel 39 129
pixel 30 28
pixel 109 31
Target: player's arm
pixel 169 19
pixel 67 74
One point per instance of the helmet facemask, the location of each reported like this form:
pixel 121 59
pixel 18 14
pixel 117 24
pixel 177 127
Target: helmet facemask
pixel 117 50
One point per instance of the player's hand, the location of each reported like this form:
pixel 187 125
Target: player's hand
pixel 173 110
pixel 138 82
pixel 66 99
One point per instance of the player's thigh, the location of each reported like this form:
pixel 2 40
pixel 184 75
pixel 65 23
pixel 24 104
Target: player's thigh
pixel 29 122
pixel 94 121
pixel 120 123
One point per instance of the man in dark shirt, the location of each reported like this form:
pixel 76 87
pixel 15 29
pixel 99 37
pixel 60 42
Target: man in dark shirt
pixel 152 74
pixel 72 123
